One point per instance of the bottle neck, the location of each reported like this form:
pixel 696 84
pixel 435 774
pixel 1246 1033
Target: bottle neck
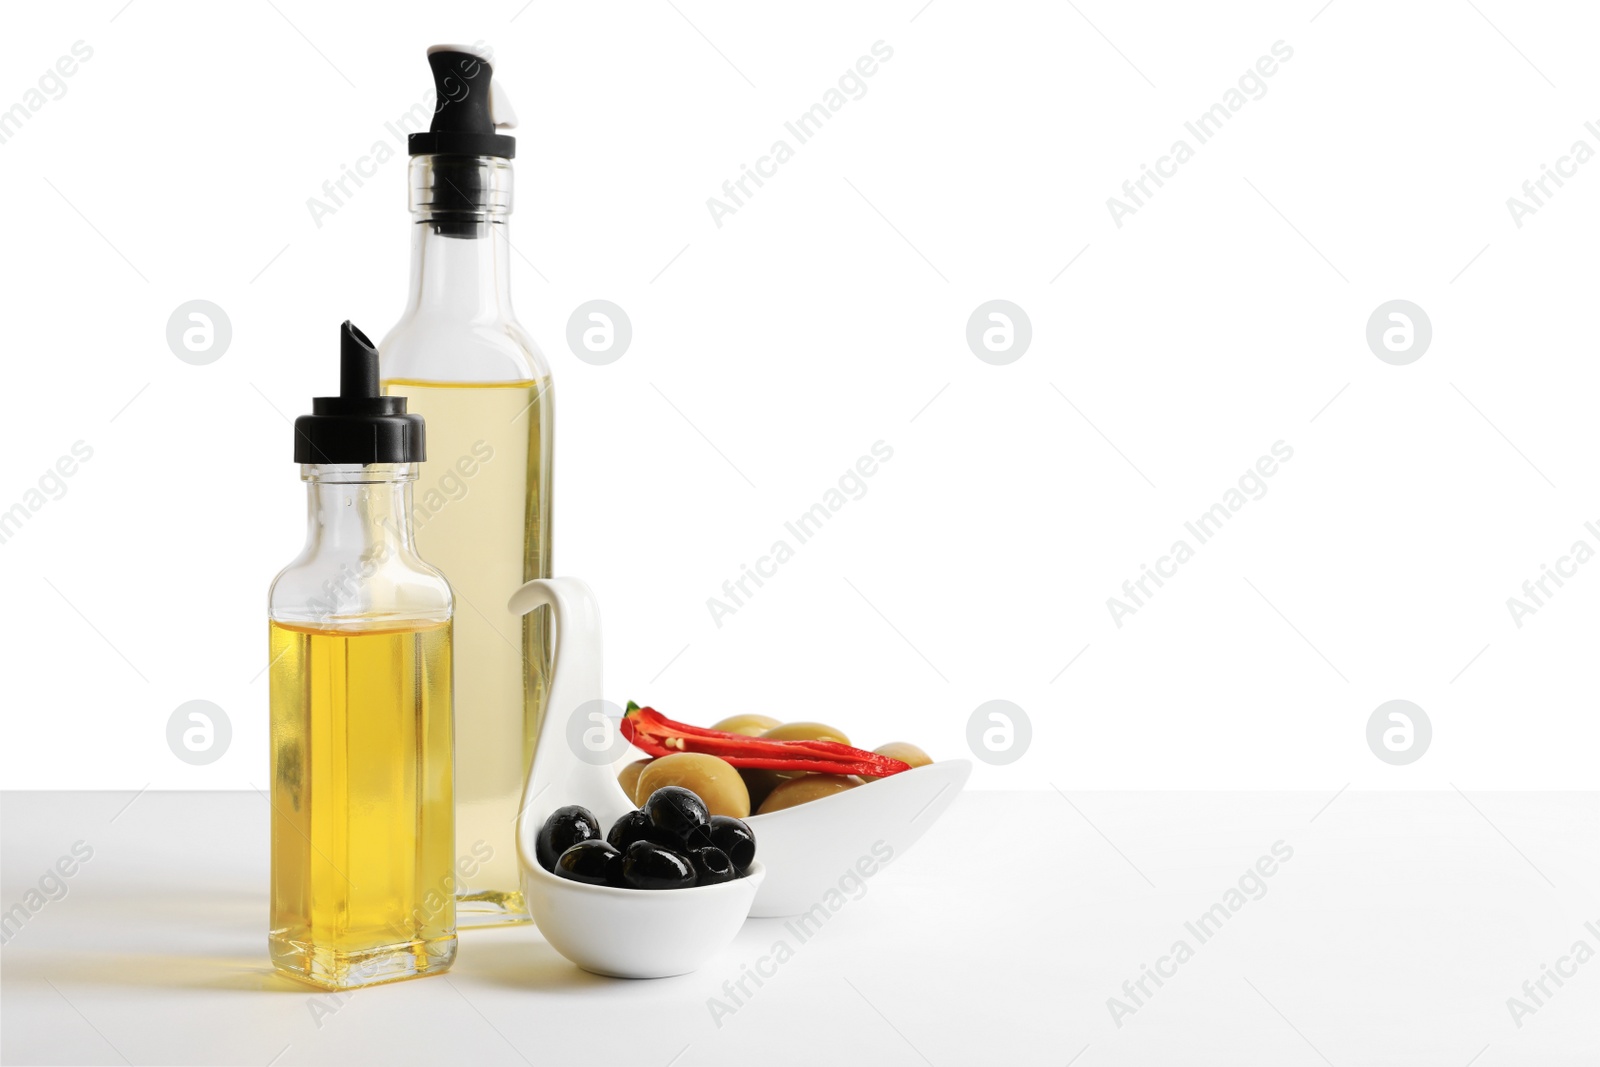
pixel 359 569
pixel 461 276
pixel 460 244
pixel 359 512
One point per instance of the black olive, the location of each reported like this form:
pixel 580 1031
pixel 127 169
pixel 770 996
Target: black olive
pixel 679 812
pixel 592 862
pixel 564 828
pixel 734 837
pixel 634 826
pixel 646 865
pixel 712 866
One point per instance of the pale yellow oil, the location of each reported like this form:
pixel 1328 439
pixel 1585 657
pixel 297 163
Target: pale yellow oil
pixel 482 516
pixel 362 846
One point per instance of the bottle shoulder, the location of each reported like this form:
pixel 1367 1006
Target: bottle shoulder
pixel 425 347
pixel 331 590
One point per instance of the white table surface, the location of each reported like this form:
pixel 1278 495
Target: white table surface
pixel 1394 935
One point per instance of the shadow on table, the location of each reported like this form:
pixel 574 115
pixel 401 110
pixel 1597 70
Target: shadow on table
pixel 217 940
pixel 214 940
pixel 153 970
pixel 531 965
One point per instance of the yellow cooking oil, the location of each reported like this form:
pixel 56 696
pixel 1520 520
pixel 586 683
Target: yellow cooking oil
pixel 362 848
pixel 481 511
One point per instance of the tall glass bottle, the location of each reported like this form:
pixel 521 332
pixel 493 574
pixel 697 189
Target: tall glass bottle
pixel 483 510
pixel 359 629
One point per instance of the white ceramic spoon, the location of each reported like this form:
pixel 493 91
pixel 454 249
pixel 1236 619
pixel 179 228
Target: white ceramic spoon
pixel 624 933
pixel 811 853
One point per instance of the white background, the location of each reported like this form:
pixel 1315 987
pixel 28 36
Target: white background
pixel 829 313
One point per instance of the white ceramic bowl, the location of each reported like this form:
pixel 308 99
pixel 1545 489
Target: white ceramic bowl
pixel 830 845
pixel 637 933
pixel 804 853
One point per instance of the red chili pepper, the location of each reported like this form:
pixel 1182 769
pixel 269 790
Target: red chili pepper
pixel 657 735
pixel 683 737
pixel 653 721
pixel 650 721
pixel 742 751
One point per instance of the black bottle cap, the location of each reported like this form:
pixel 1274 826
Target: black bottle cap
pixel 468 111
pixel 358 425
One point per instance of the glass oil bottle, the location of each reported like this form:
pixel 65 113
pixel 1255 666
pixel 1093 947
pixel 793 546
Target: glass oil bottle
pixel 483 507
pixel 363 856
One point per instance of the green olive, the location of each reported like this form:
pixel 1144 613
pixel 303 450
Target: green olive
pixel 749 725
pixel 628 779
pixel 806 731
pixel 713 780
pixel 760 784
pixel 806 788
pixel 904 751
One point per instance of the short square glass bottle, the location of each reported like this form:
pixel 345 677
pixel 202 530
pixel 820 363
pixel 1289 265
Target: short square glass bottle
pixel 363 850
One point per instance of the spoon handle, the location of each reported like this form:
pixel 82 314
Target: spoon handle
pixel 575 693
